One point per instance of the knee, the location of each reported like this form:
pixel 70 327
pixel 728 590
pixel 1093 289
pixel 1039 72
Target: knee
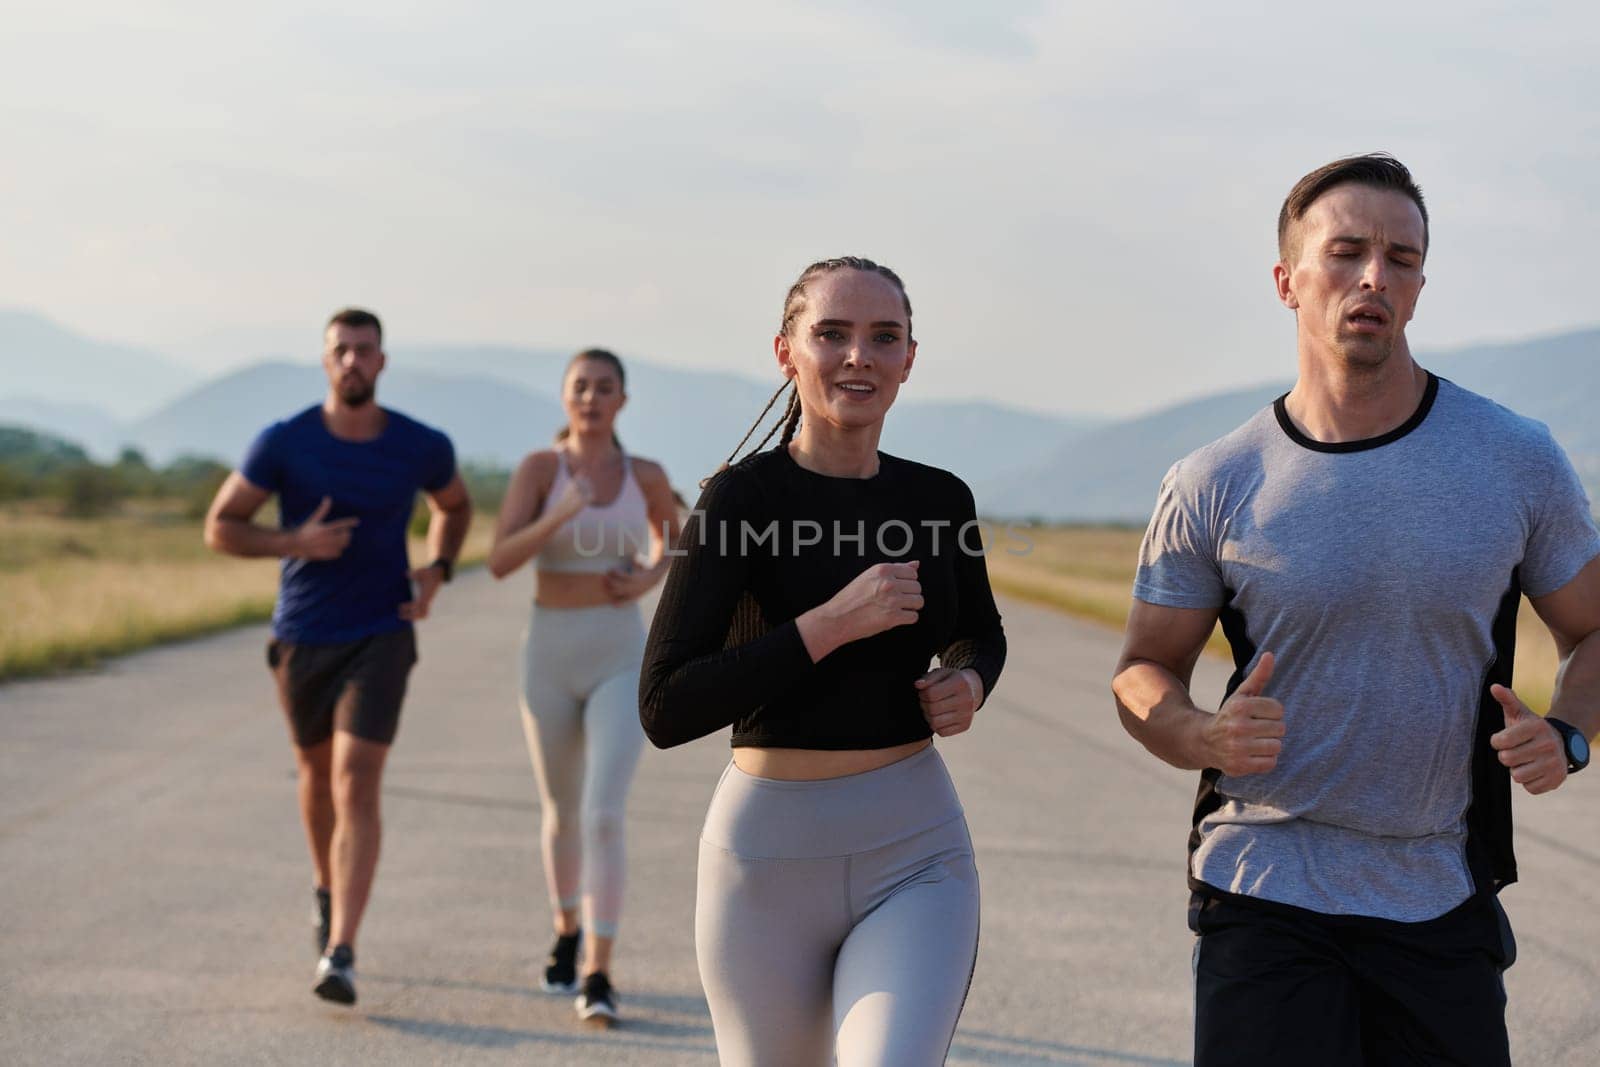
pixel 355 791
pixel 603 827
pixel 560 821
pixel 316 780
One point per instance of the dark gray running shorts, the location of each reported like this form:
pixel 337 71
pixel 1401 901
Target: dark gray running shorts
pixel 354 686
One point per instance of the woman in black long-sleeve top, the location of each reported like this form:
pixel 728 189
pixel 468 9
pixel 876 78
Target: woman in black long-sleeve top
pixel 837 909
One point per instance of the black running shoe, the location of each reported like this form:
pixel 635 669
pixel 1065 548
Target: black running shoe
pixel 336 976
pixel 322 920
pixel 561 967
pixel 597 1004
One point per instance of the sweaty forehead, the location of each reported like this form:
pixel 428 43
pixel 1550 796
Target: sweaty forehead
pixel 1385 216
pixel 855 295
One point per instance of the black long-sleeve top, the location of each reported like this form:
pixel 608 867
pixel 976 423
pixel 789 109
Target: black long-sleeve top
pixel 768 541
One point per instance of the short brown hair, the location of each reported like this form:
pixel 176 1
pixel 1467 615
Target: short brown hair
pixel 355 317
pixel 1376 169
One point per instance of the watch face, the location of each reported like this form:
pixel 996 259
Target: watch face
pixel 1578 748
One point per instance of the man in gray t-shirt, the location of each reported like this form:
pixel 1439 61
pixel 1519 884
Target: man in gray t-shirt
pixel 1365 543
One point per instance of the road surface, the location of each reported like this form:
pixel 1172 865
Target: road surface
pixel 154 892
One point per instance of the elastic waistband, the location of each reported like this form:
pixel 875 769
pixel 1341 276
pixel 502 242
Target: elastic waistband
pixel 767 818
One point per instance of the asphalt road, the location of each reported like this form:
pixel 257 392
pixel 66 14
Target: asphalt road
pixel 154 891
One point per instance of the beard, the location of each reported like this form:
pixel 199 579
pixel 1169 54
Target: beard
pixel 355 391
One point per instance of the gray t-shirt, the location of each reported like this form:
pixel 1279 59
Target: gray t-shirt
pixel 1381 574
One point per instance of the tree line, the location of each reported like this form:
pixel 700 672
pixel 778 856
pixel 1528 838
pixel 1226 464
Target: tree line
pixel 41 467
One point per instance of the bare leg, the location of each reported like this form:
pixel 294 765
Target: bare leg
pixel 566 922
pixel 316 805
pixel 357 832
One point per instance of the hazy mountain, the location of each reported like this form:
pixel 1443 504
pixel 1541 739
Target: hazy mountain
pixel 688 421
pixel 41 359
pixel 691 419
pixel 1112 473
pixel 498 402
pixel 487 419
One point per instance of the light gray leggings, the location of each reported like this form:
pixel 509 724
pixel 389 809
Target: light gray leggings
pixel 837 917
pixel 580 711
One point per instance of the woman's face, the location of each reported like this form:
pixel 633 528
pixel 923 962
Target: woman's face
pixel 592 395
pixel 850 349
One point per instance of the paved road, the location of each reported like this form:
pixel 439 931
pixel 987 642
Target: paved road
pixel 154 891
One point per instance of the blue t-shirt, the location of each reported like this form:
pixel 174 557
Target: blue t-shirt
pixel 358 594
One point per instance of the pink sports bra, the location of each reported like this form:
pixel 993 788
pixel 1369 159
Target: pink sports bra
pixel 599 537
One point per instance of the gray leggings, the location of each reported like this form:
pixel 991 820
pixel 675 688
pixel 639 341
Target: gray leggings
pixel 580 704
pixel 837 917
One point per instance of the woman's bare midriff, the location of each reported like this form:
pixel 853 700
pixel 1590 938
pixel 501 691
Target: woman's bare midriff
pixel 810 764
pixel 568 589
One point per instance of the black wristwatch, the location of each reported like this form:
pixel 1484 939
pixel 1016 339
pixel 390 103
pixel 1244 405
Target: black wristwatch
pixel 447 569
pixel 1573 743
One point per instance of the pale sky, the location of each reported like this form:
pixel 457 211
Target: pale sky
pixel 1080 196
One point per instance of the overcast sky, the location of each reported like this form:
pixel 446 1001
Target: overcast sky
pixel 1080 196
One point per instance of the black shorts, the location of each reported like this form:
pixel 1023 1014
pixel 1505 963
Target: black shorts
pixel 354 686
pixel 1277 985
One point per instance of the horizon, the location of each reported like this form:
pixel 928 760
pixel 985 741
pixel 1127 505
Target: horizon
pixel 206 376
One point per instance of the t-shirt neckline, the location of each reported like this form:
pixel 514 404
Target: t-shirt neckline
pixel 322 421
pixel 875 479
pixel 1281 409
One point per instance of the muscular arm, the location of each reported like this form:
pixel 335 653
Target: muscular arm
pixel 230 526
pixel 451 516
pixel 1151 685
pixel 1573 615
pixel 1530 747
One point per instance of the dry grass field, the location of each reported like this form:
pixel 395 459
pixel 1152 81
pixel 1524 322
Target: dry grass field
pixel 1088 572
pixel 74 591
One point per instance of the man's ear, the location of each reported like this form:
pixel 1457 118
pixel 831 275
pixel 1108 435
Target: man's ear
pixel 1283 282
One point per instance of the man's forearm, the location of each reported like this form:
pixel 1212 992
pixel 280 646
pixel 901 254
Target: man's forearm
pixel 1577 695
pixel 241 537
pixel 447 532
pixel 1155 707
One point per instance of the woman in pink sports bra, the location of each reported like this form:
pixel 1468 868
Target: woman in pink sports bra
pixel 595 522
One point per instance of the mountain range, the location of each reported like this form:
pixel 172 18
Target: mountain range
pixel 1112 472
pixel 499 402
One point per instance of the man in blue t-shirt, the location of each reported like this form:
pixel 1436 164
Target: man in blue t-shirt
pixel 346 473
pixel 1365 542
